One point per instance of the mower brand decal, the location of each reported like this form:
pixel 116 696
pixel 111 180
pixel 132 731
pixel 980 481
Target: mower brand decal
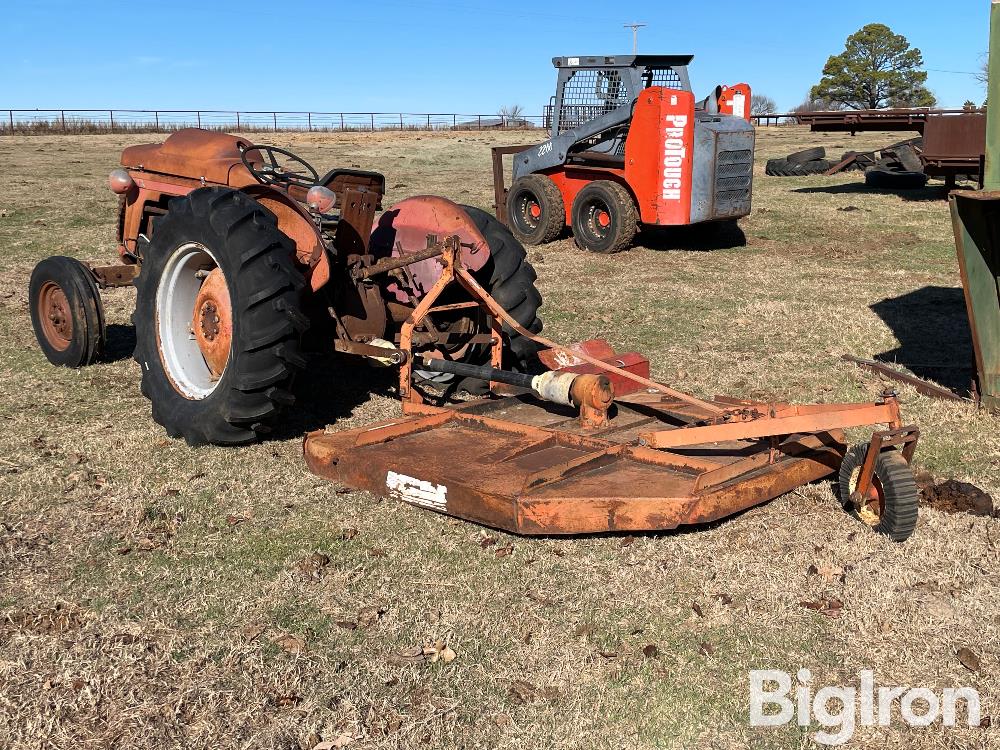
pixel 674 155
pixel 545 148
pixel 417 491
pixel 572 60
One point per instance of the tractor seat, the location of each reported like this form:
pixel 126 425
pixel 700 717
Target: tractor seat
pixel 196 154
pixel 338 180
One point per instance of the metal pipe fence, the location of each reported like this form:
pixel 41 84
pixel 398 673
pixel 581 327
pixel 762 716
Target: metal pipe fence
pixel 40 121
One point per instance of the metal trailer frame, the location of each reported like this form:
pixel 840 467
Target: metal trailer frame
pixel 654 458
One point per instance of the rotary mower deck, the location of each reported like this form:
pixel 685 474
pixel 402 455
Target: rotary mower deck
pixel 594 445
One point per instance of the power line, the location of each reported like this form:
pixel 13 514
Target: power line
pixel 635 35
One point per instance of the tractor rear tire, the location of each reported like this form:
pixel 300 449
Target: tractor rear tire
pixel 892 508
pixel 535 210
pixel 806 155
pixel 229 232
pixel 510 280
pixel 605 219
pixel 66 312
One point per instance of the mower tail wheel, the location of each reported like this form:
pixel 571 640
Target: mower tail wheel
pixel 605 219
pixel 890 506
pixel 535 210
pixel 66 312
pixel 218 318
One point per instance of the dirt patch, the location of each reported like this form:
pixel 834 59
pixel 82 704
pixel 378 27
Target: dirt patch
pixel 952 496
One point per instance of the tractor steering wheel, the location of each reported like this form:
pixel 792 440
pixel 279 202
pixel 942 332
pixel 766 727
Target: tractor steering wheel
pixel 273 173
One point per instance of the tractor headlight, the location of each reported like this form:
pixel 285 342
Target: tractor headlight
pixel 320 199
pixel 120 181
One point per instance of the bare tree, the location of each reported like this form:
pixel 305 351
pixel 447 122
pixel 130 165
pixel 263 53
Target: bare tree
pixel 511 114
pixel 817 105
pixel 762 104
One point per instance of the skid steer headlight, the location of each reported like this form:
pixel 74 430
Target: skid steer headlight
pixel 320 199
pixel 120 181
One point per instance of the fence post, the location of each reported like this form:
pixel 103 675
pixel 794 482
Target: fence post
pixel 198 115
pixel 400 120
pixel 341 120
pixel 275 116
pixel 454 122
pixel 309 116
pixel 156 117
pixel 480 118
pixel 11 113
pixel 373 122
pixel 111 114
pixel 62 116
pixel 428 122
pixel 237 120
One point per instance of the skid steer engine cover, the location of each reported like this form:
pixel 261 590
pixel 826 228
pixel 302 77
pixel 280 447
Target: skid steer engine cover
pixel 704 165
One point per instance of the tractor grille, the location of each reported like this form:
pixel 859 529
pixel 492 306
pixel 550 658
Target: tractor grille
pixel 733 177
pixel 665 77
pixel 588 94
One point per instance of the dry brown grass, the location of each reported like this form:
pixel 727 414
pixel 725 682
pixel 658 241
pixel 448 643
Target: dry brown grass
pixel 150 594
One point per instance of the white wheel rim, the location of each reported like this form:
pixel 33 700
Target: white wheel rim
pixel 175 298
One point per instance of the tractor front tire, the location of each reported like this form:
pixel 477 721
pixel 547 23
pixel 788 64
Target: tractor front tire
pixel 605 219
pixel 536 213
pixel 891 505
pixel 66 312
pixel 217 364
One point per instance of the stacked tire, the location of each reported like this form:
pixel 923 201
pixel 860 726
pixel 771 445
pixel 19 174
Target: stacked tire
pixel 898 169
pixel 799 163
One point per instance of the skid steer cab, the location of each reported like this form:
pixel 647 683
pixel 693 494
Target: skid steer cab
pixel 628 147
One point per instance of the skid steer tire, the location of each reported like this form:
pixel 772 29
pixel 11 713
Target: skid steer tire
pixel 535 210
pixel 806 155
pixel 884 179
pixel 218 228
pixel 510 280
pixel 605 219
pixel 66 312
pixel 894 511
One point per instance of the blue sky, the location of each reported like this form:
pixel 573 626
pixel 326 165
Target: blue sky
pixel 438 55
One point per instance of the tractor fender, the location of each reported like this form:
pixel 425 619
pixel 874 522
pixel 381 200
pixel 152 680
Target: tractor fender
pixel 406 228
pixel 296 223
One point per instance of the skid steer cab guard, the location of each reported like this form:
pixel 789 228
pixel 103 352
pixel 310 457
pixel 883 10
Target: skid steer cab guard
pixel 629 146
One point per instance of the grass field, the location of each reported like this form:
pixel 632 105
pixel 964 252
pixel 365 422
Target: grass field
pixel 154 595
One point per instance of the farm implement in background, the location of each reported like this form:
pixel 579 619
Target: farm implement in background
pixel 976 218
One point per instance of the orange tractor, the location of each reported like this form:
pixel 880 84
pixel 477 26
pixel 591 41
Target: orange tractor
pixel 236 249
pixel 629 146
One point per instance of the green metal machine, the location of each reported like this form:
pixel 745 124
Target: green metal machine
pixel 976 217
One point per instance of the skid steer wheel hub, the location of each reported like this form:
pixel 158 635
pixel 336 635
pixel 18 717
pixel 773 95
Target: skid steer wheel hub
pixel 596 219
pixel 54 315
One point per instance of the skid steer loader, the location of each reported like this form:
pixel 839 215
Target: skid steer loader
pixel 629 146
